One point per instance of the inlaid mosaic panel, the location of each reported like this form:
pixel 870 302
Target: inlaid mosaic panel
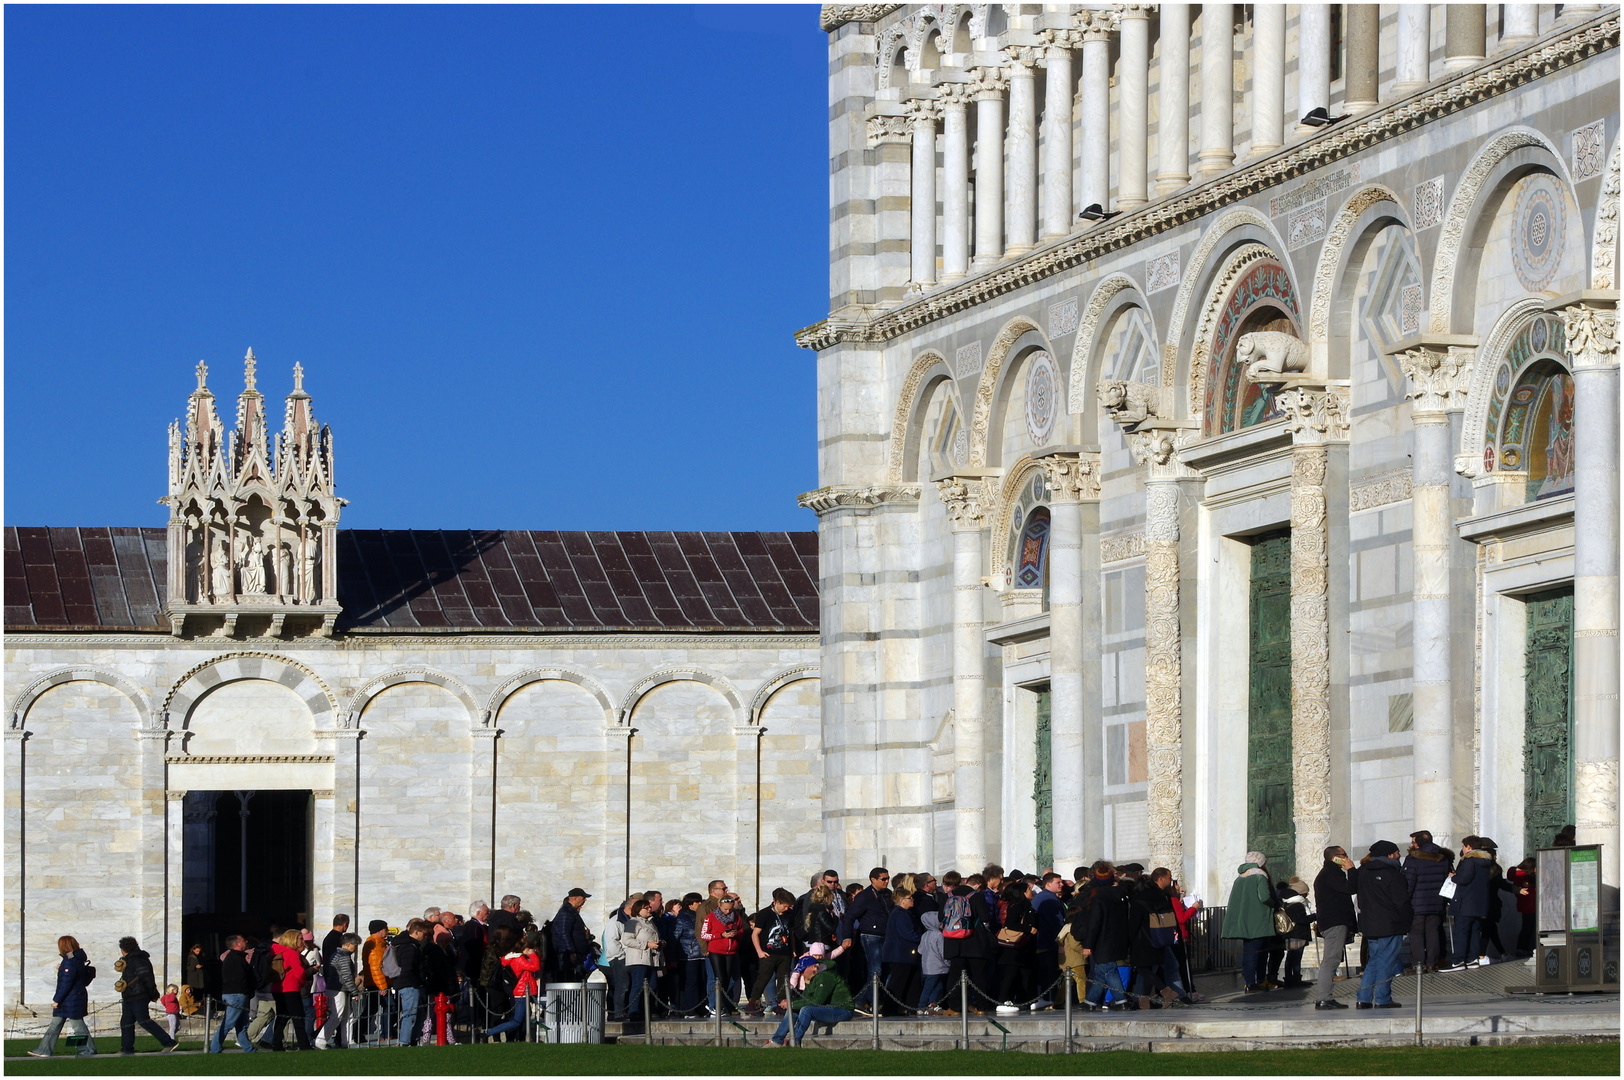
pixel 1062 318
pixel 1589 150
pixel 1042 389
pixel 967 361
pixel 1162 272
pixel 1306 225
pixel 1428 207
pixel 1538 231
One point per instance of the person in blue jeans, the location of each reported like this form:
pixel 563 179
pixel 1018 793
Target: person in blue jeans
pixel 866 918
pixel 408 985
pixel 237 991
pixel 827 1000
pixel 1104 929
pixel 1384 919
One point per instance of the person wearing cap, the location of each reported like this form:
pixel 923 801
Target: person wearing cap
pixel 1384 918
pixel 1250 919
pixel 570 943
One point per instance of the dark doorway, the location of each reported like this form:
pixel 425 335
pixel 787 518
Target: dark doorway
pixel 245 872
pixel 1270 821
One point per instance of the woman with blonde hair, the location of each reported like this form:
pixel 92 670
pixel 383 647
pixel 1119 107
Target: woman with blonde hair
pixel 287 988
pixel 71 1001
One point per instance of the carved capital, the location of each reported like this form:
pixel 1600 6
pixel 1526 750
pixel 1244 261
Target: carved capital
pixel 833 16
pixel 966 501
pixel 889 129
pixel 922 111
pixel 1022 60
pixel 1060 43
pixel 1132 11
pixel 988 83
pixel 1095 24
pixel 1592 335
pixel 1315 414
pixel 1439 377
pixel 1073 477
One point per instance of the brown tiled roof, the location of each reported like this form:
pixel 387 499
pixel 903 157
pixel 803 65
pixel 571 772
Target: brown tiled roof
pixel 453 580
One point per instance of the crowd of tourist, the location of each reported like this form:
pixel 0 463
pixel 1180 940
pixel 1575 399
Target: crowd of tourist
pixel 897 945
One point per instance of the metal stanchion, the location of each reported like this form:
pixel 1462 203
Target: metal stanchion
pixel 874 1004
pixel 964 1008
pixel 529 1014
pixel 1066 981
pixel 717 997
pixel 1419 968
pixel 647 1014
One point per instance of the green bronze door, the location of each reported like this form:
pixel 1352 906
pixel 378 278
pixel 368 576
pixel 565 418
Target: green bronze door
pixel 1269 825
pixel 1548 712
pixel 1043 785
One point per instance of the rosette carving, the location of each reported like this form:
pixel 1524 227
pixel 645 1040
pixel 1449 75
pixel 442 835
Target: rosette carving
pixel 1164 728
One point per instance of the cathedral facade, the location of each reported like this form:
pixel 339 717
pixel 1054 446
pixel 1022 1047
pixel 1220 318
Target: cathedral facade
pixel 255 716
pixel 1218 432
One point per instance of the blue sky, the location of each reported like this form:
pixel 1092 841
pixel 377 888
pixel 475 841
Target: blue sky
pixel 541 265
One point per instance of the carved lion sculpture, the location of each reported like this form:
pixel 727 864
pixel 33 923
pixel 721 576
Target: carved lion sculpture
pixel 1129 403
pixel 1270 352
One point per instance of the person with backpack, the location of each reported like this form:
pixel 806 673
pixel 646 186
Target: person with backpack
pixel 966 943
pixel 403 966
pixel 138 989
pixel 1154 927
pixel 773 941
pixel 264 1003
pixel 71 999
pixel 1103 928
pixel 236 990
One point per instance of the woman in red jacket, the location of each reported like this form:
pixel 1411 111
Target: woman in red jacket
pixel 1521 878
pixel 289 993
pixel 523 964
pixel 721 932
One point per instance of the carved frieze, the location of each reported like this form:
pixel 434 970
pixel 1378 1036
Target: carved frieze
pixel 844 497
pixel 1310 654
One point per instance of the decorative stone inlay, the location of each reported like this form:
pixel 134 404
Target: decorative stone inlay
pixel 966 499
pixel 1438 378
pixel 1316 189
pixel 1162 272
pixel 1589 150
pixel 1310 654
pixel 1062 317
pixel 1427 207
pixel 1382 491
pixel 1592 334
pixel 1410 304
pixel 1073 477
pixel 248 759
pixel 1538 231
pixel 1306 225
pixel 1122 548
pixel 967 360
pixel 1472 87
pixel 1042 394
pixel 846 497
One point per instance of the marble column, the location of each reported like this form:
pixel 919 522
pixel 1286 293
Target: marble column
pixel 154 858
pixel 923 195
pixel 1521 25
pixel 1414 69
pixel 1438 379
pixel 1022 149
pixel 1057 201
pixel 1316 416
pixel 1361 28
pixel 1133 94
pixel 1313 61
pixel 1465 37
pixel 344 744
pixel 1217 89
pixel 1592 337
pixel 955 182
pixel 1096 27
pixel 482 818
pixel 1073 478
pixel 988 89
pixel 747 812
pixel 17 952
pixel 1268 78
pixel 1173 101
pixel 966 502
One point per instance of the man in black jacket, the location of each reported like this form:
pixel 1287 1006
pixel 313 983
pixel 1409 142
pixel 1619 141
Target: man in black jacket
pixel 570 944
pixel 408 985
pixel 236 988
pixel 865 919
pixel 1426 868
pixel 140 989
pixel 1474 878
pixel 1335 920
pixel 1384 916
pixel 1105 931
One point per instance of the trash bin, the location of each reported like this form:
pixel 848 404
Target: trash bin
pixel 575 1011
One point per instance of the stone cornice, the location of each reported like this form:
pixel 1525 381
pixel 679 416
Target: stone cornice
pixel 1466 89
pixel 248 759
pixel 453 640
pixel 848 497
pixel 834 16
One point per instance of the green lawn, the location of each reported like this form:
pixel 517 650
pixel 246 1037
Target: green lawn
pixel 1590 1059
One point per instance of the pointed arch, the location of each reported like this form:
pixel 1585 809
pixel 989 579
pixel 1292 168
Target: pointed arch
pixel 500 696
pixel 928 369
pixel 1465 212
pixel 719 683
pixel 1103 303
pixel 232 667
pixel 1012 332
pixel 362 697
pixel 784 678
pixel 1604 247
pixel 34 690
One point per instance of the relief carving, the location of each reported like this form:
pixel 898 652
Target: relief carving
pixel 1310 654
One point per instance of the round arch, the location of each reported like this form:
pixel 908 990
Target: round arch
pixel 991 384
pixel 1475 422
pixel 499 697
pixel 34 690
pixel 234 667
pixel 1266 280
pixel 1245 223
pixel 362 697
pixel 643 686
pixel 1508 156
pixel 1372 206
pixel 1013 495
pixel 1114 293
pixel 928 369
pixel 800 673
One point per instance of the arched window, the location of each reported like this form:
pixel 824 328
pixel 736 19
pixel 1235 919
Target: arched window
pixel 1026 563
pixel 1529 428
pixel 1261 299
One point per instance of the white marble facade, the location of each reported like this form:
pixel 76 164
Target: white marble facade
pixel 1462 202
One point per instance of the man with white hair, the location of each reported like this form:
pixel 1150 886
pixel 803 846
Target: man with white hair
pixel 471 938
pixel 508 916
